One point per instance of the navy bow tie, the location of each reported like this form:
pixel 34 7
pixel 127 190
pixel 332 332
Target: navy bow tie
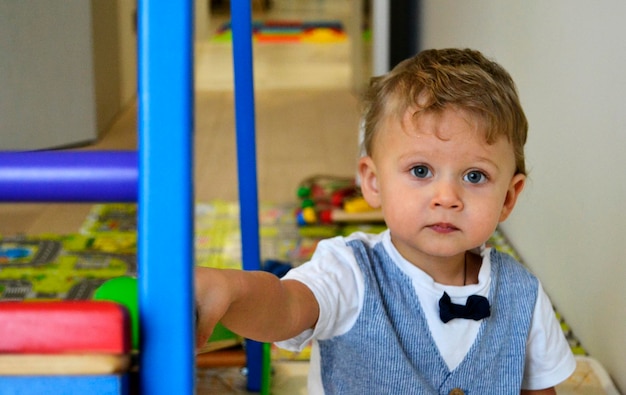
pixel 476 308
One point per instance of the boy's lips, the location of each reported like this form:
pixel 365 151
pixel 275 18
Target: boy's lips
pixel 443 227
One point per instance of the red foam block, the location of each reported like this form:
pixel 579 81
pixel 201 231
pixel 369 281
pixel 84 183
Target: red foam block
pixel 64 327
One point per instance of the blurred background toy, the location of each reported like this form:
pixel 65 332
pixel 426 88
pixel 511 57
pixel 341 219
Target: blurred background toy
pixel 64 347
pixel 332 199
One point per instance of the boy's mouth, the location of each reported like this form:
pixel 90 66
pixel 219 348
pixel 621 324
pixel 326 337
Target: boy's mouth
pixel 443 227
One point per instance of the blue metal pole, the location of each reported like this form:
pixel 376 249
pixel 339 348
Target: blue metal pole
pixel 241 15
pixel 165 243
pixel 68 176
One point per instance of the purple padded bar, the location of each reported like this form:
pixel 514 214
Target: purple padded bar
pixel 62 176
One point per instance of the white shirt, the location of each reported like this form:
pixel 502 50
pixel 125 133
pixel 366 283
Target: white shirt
pixel 334 277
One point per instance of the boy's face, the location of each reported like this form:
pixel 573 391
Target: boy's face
pixel 441 187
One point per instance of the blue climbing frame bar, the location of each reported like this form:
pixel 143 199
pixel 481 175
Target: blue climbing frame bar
pixel 165 245
pixel 241 15
pixel 59 176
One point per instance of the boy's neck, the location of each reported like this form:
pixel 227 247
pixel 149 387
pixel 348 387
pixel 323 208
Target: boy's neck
pixel 459 271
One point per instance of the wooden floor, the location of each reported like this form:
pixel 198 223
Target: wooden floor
pixel 306 116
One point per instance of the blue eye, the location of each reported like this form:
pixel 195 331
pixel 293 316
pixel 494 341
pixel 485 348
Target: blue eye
pixel 475 177
pixel 421 171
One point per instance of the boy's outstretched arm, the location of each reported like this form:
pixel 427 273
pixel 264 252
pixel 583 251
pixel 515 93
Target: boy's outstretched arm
pixel 255 305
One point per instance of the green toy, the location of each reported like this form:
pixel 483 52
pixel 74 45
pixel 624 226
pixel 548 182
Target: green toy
pixel 123 290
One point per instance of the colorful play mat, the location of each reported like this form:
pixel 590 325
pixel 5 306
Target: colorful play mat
pixel 72 266
pixel 284 32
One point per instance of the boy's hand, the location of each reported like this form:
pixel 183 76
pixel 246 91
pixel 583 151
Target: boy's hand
pixel 254 304
pixel 213 298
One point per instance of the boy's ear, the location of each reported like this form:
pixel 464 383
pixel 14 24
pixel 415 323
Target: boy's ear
pixel 515 188
pixel 369 181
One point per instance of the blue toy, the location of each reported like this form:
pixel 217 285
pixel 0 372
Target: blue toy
pixel 66 385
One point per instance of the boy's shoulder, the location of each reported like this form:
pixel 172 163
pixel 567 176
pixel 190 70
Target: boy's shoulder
pixel 501 258
pixel 511 270
pixel 339 248
pixel 369 239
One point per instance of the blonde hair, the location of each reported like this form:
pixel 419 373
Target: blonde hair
pixel 436 79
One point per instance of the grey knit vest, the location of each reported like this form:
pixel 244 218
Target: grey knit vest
pixel 390 350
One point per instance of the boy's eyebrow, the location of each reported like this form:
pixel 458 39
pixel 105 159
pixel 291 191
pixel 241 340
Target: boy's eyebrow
pixel 487 160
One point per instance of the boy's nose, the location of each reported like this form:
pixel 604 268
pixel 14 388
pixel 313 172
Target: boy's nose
pixel 446 194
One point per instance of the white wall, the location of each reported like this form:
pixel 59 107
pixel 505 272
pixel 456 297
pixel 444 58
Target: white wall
pixel 46 81
pixel 569 61
pixel 67 68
